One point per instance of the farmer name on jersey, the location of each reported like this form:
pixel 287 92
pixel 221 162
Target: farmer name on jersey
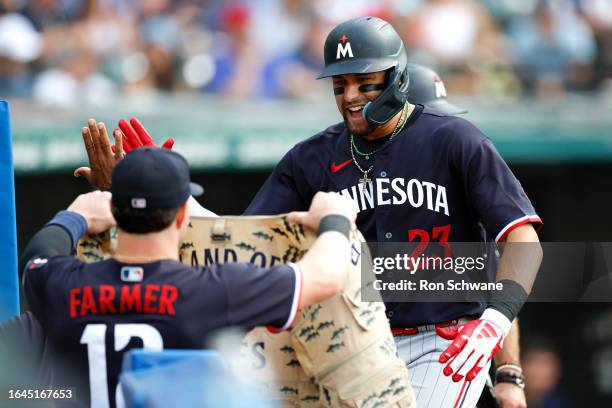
pixel 137 298
pixel 398 191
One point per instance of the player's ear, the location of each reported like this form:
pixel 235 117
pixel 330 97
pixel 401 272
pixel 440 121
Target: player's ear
pixel 182 217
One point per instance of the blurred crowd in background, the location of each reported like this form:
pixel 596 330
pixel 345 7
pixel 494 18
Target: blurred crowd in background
pixel 62 52
pixel 67 52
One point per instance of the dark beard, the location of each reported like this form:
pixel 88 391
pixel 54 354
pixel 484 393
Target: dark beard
pixel 360 133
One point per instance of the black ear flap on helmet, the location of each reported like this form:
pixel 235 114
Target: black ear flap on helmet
pixel 390 101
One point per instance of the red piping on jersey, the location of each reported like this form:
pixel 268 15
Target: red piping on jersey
pixel 518 223
pixel 337 167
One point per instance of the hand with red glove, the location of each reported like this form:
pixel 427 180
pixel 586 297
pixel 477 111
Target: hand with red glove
pixel 103 157
pixel 135 136
pixel 474 344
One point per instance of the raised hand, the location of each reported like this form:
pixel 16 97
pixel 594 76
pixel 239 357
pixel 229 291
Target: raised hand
pixel 102 159
pixel 95 207
pixel 324 204
pixel 135 136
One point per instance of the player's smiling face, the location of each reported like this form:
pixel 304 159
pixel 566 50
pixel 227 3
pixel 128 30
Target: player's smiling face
pixel 351 99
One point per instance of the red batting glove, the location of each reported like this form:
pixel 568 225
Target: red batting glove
pixel 474 344
pixel 137 136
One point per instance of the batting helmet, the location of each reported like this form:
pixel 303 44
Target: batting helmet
pixel 364 45
pixel 426 88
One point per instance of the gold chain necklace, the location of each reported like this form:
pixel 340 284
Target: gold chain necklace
pixel 400 125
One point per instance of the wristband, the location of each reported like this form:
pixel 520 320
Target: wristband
pixel 335 222
pixel 510 377
pixel 73 222
pixel 509 300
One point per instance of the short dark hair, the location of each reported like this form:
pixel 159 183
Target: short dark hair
pixel 143 221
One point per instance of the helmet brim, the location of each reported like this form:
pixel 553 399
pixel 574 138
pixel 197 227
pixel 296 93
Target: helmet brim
pixel 446 107
pixel 357 66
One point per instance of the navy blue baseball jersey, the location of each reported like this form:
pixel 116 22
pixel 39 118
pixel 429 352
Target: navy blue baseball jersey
pixel 93 313
pixel 438 180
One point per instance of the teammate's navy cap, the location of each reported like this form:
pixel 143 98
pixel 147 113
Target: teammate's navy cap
pixel 426 88
pixel 152 178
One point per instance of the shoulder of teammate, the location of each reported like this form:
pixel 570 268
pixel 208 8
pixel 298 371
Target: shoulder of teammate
pixel 314 145
pixel 260 296
pixel 37 273
pixel 40 267
pixel 288 188
pixel 50 248
pixel 326 139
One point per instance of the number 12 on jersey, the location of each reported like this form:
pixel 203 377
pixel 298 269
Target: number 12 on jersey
pixel 94 336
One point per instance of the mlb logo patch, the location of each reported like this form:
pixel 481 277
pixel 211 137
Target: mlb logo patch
pixel 139 203
pixel 132 274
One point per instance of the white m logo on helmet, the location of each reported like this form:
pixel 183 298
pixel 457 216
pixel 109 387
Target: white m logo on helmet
pixel 344 49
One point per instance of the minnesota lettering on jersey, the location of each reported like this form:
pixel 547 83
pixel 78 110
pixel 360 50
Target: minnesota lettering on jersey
pixel 398 191
pixel 137 298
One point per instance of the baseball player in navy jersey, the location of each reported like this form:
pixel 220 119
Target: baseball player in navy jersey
pixel 427 88
pixel 144 297
pixel 414 174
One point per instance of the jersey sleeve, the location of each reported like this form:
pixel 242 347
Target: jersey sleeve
pixel 284 189
pixel 496 195
pixel 261 297
pixel 33 281
pixel 36 275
